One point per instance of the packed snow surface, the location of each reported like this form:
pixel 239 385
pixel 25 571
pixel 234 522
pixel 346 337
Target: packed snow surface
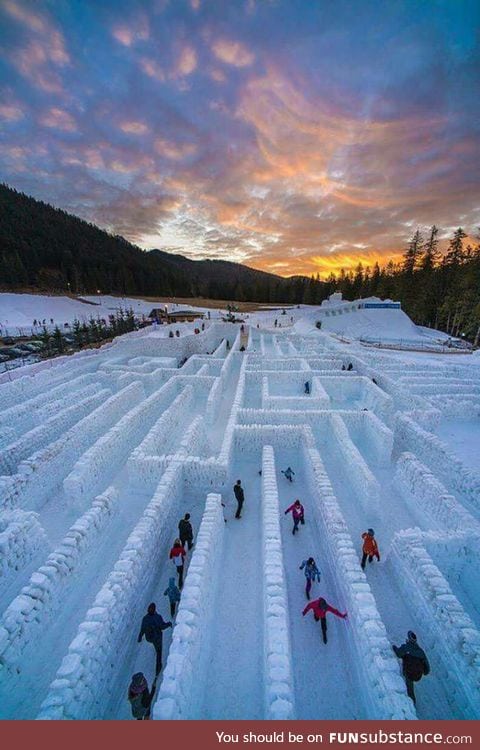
pixel 102 453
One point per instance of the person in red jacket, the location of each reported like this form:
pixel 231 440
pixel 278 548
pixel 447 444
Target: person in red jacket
pixel 298 514
pixel 320 609
pixel 177 554
pixel 370 547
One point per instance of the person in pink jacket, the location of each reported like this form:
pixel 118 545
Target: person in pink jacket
pixel 297 513
pixel 320 608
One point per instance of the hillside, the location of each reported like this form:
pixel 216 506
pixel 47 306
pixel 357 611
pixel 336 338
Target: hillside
pixel 45 248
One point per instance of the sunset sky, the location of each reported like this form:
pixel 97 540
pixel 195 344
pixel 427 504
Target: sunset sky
pixel 294 136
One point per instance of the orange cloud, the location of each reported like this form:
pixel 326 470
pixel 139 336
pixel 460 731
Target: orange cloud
pixel 232 53
pixel 322 264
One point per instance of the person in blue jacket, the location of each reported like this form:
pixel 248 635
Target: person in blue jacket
pixel 311 572
pixel 173 593
pixel 288 474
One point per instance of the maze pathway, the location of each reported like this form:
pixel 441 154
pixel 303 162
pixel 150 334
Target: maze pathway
pixel 102 456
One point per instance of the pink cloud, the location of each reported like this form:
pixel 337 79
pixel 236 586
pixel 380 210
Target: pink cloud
pixel 59 119
pixel 11 112
pixel 232 53
pixel 151 68
pixel 129 34
pixel 174 150
pixel 186 62
pixel 134 127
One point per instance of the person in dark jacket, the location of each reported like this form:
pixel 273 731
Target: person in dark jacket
pixel 152 628
pixel 240 496
pixel 140 697
pixel 173 593
pixel 350 366
pixel 307 388
pixel 414 662
pixel 186 531
pixel 311 572
pixel 320 608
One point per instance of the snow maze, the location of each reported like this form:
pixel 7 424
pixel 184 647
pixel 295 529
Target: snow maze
pixel 101 455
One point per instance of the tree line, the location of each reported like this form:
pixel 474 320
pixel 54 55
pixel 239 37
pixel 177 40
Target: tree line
pixel 46 249
pixel 437 290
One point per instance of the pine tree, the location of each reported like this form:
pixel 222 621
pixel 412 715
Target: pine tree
pixel 58 340
pixel 430 251
pixel 456 255
pixel 413 253
pixel 77 333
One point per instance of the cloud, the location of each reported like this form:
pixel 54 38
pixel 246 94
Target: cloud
pixel 59 119
pixel 232 52
pixel 11 112
pixel 172 150
pixel 134 127
pixel 152 69
pixel 40 59
pixel 186 62
pixel 136 30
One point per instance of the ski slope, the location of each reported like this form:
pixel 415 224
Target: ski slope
pixel 101 455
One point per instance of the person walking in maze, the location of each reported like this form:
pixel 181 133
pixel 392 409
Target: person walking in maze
pixel 140 697
pixel 370 547
pixel 288 474
pixel 240 497
pixel 414 663
pixel 298 514
pixel 177 554
pixel 173 593
pixel 307 388
pixel 311 572
pixel 152 628
pixel 185 531
pixel 320 608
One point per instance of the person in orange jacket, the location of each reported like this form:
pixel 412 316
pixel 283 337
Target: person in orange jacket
pixel 370 547
pixel 320 608
pixel 177 554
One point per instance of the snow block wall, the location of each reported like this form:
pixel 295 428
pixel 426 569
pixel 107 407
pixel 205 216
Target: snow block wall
pixel 450 633
pixel 49 431
pixel 418 485
pixel 147 461
pixel 278 672
pixel 42 471
pixel 41 598
pixel 31 412
pixel 362 479
pixel 22 538
pixel 180 695
pixel 98 464
pixel 409 436
pixel 384 688
pixel 86 675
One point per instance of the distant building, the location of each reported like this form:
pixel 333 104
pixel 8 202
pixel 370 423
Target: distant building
pixel 175 316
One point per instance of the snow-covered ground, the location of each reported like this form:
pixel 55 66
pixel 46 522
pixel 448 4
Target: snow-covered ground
pixel 18 312
pixel 102 453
